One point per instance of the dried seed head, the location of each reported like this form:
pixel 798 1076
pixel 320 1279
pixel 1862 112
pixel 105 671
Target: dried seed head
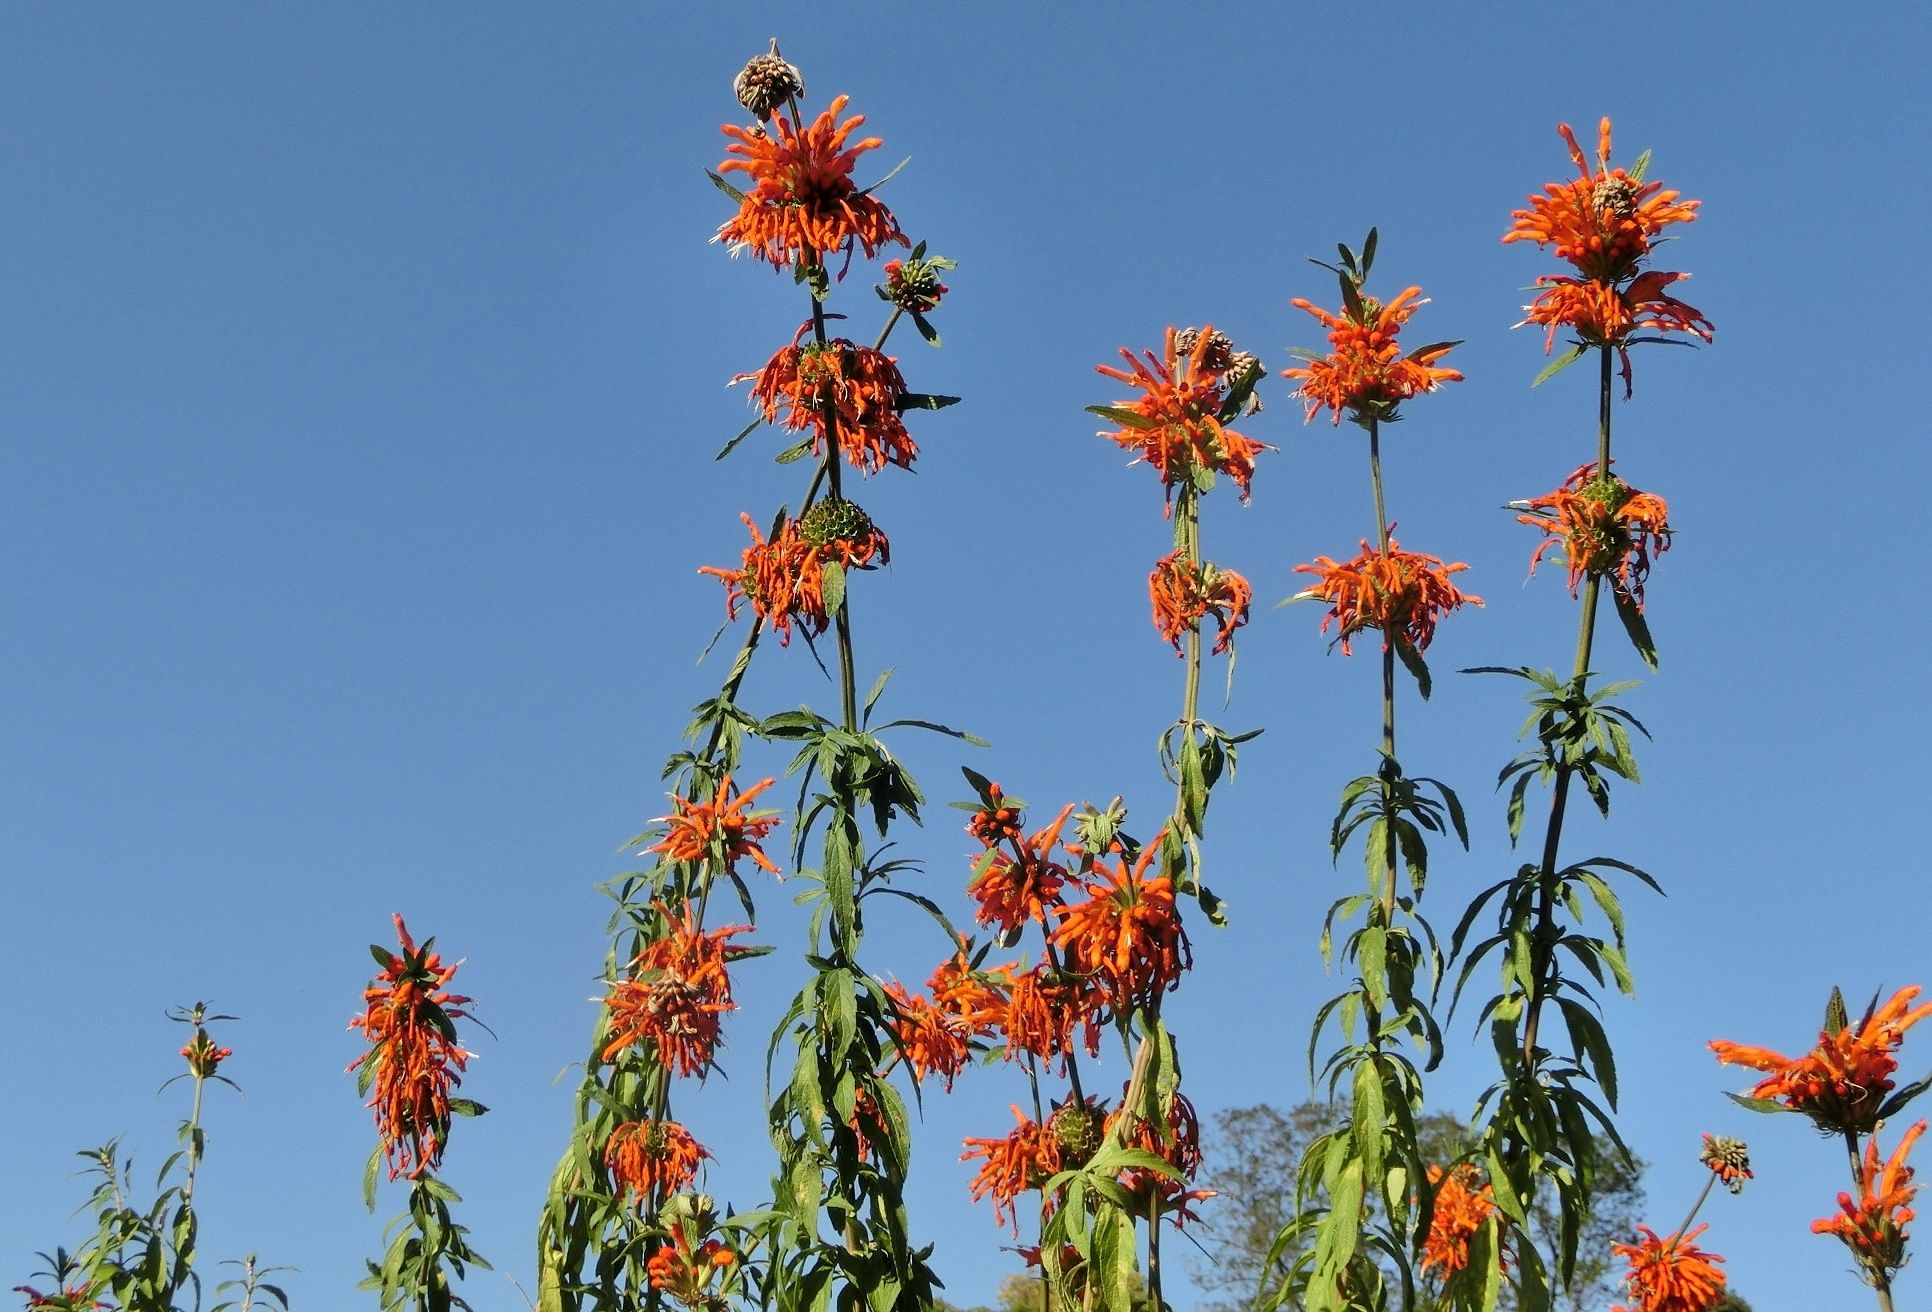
pixel 1616 196
pixel 1077 1129
pixel 767 82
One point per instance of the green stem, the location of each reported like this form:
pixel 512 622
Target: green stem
pixel 1702 1194
pixel 1541 950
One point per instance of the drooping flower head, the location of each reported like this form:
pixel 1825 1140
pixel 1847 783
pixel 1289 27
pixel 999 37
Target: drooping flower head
pixel 1604 220
pixel 784 579
pixel 720 831
pixel 1012 890
pixel 652 1159
pixel 1184 595
pixel 1463 1203
pixel 800 203
pixel 1401 594
pixel 1188 394
pixel 1049 1011
pixel 1603 527
pixel 674 993
pixel 1127 932
pixel 1873 1224
pixel 936 1033
pixel 1671 1275
pixel 1024 1159
pixel 1729 1160
pixel 1365 375
pixel 855 391
pixel 1603 314
pixel 1840 1084
pixel 414 1060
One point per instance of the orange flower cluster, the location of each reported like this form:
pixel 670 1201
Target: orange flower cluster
pixel 784 579
pixel 1873 1225
pixel 689 1273
pixel 1177 427
pixel 1402 594
pixel 998 821
pixel 1024 1159
pixel 1177 1142
pixel 414 1060
pixel 1183 596
pixel 1127 933
pixel 913 285
pixel 1025 887
pixel 801 204
pixel 1729 1160
pixel 1604 527
pixel 205 1055
pixel 652 1159
pixel 719 831
pixel 1463 1203
pixel 1047 1007
pixel 1842 1082
pixel 1365 373
pixel 936 1034
pixel 853 391
pixel 1671 1275
pixel 1604 222
pixel 1602 314
pixel 676 990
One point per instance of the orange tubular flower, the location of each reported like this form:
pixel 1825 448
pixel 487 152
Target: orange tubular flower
pixel 1365 374
pixel 1402 594
pixel 1127 934
pixel 1671 1275
pixel 1183 596
pixel 413 1061
pixel 931 1038
pixel 1014 890
pixel 719 831
pixel 1178 427
pixel 1025 1159
pixel 688 1273
pixel 802 203
pixel 1842 1082
pixel 676 990
pixel 1873 1226
pixel 1604 527
pixel 204 1055
pixel 853 389
pixel 1463 1203
pixel 652 1159
pixel 1603 221
pixel 784 579
pixel 1604 316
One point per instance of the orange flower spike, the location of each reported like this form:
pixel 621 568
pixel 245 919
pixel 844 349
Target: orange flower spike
pixel 1604 221
pixel 674 994
pixel 414 1059
pixel 1182 395
pixel 801 203
pixel 856 388
pixel 1462 1205
pixel 719 831
pixel 931 1038
pixel 652 1159
pixel 1671 1275
pixel 1046 1007
pixel 1400 593
pixel 1873 1225
pixel 1365 373
pixel 977 999
pixel 1842 1082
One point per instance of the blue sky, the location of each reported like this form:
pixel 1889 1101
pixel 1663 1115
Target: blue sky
pixel 360 373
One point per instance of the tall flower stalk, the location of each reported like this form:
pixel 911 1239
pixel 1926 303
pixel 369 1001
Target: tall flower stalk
pixel 1539 1118
pixel 1372 1164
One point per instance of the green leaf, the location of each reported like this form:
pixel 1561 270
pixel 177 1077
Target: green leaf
pixel 1557 366
pixel 1125 418
pixel 1756 1104
pixel 1635 626
pixel 725 187
pixel 1368 253
pixel 890 175
pixel 1413 663
pixel 1641 167
pixel 1835 1017
pixel 1896 1103
pixel 923 401
pixel 743 433
pixel 926 330
pixel 834 586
